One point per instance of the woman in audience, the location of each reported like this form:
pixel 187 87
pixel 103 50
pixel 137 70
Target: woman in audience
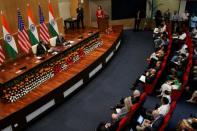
pixel 161 42
pixel 189 124
pixel 193 99
pixel 157 66
pixel 172 74
pixel 170 85
pixel 123 108
pixel 134 98
pixel 156 56
pixel 107 126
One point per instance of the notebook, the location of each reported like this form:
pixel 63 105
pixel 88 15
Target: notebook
pixel 143 78
pixel 140 119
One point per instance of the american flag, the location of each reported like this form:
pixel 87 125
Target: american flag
pixel 44 33
pixel 23 38
pixel 2 56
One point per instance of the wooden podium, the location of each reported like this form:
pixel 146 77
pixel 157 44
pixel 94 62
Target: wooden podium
pixel 103 23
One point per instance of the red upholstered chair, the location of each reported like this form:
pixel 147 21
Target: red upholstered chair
pixel 122 123
pixel 148 88
pixel 163 65
pixel 168 116
pixel 142 97
pixel 159 74
pixel 185 78
pixel 176 94
pixel 172 107
pixel 165 122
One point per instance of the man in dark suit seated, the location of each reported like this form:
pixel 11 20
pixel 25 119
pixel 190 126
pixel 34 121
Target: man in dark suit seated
pixel 41 48
pixel 151 125
pixel 60 40
pixel 107 126
pixel 150 75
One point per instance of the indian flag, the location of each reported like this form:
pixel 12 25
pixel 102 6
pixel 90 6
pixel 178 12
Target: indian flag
pixel 33 33
pixel 52 23
pixel 9 40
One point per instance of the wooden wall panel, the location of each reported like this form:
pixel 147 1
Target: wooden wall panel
pixel 10 10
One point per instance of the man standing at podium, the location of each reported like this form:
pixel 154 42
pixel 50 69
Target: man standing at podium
pixel 80 16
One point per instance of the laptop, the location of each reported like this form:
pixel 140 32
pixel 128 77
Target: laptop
pixel 140 119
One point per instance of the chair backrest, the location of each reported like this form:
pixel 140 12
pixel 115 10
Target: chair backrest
pixel 122 123
pixel 165 122
pixel 53 41
pixel 172 107
pixel 143 97
pixel 34 49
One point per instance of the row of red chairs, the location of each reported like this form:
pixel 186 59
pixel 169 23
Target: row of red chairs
pixel 132 111
pixel 176 94
pixel 149 88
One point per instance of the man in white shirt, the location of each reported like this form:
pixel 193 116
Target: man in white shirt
pixel 166 87
pixel 164 108
pixel 184 16
pixel 182 36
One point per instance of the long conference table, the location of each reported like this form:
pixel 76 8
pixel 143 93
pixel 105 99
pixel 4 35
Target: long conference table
pixel 34 87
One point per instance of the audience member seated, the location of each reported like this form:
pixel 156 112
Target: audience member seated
pixel 148 77
pixel 165 106
pixel 162 42
pixel 170 85
pixel 157 66
pixel 125 104
pixel 179 59
pixel 41 48
pixel 189 124
pixel 179 39
pixel 60 40
pixel 172 74
pixel 159 30
pixel 193 99
pixel 151 125
pixel 166 94
pixel 163 27
pixel 167 86
pixel 180 56
pixel 107 126
pixel 156 56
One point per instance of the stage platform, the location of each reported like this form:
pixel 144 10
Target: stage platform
pixel 18 115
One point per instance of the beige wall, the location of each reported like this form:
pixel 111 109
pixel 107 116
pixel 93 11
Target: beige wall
pixel 163 5
pixel 73 7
